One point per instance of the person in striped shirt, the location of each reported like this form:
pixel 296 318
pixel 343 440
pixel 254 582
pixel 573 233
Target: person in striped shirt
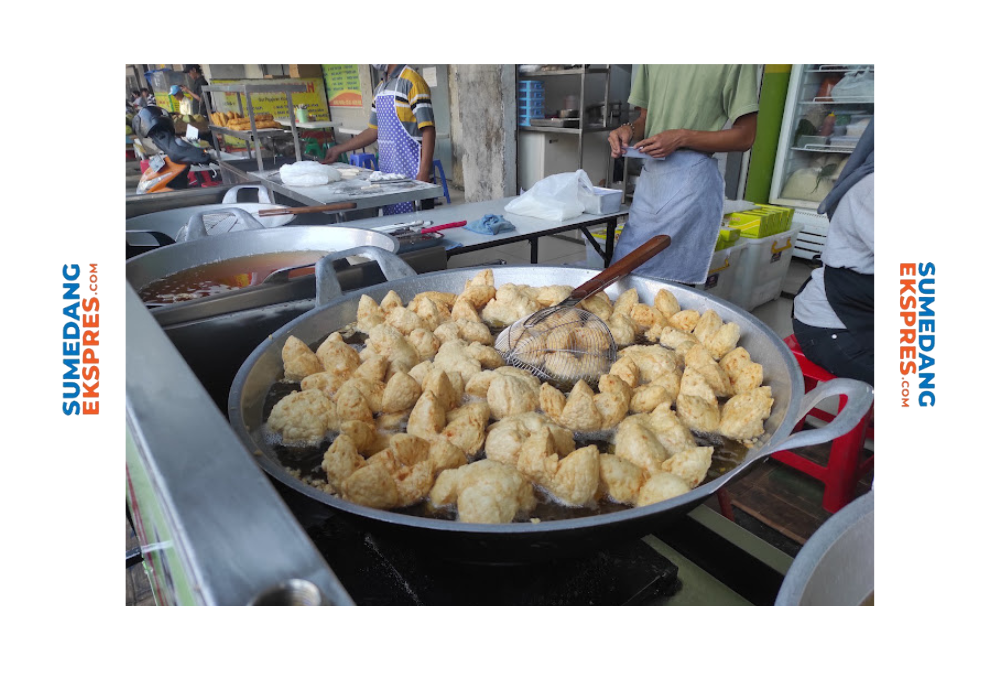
pixel 402 121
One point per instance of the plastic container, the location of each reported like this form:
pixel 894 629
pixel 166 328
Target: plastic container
pixel 811 140
pixel 531 95
pixel 723 271
pixel 603 201
pixel 762 268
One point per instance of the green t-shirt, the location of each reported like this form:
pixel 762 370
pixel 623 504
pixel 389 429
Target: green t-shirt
pixel 697 97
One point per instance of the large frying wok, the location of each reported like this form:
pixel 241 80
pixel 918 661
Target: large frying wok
pixel 526 541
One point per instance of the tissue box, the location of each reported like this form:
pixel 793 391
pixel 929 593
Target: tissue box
pixel 602 201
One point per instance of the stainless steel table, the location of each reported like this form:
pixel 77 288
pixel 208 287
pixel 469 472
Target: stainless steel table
pixel 460 240
pixel 356 190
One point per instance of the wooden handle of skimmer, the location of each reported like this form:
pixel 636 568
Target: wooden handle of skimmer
pixel 295 210
pixel 622 267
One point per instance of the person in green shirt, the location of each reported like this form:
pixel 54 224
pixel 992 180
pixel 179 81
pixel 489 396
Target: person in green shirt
pixel 683 112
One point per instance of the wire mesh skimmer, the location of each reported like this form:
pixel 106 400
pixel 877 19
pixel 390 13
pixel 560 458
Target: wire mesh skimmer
pixel 564 343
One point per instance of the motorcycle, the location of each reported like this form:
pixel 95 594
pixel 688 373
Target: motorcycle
pixel 169 170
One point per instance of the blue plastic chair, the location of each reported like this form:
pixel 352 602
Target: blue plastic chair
pixel 364 160
pixel 439 170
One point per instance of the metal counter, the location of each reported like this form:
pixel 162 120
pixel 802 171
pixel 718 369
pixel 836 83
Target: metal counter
pixel 214 530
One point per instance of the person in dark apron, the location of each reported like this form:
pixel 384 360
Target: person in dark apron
pixel 683 112
pixel 833 315
pixel 402 121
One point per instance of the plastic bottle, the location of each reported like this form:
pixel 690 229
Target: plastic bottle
pixel 828 124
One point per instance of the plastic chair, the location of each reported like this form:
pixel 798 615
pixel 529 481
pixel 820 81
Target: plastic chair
pixel 843 470
pixel 439 170
pixel 365 160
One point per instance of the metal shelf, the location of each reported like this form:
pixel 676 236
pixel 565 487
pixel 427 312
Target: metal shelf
pixel 588 70
pixel 846 149
pixel 246 91
pixel 248 135
pixel 844 100
pixel 572 131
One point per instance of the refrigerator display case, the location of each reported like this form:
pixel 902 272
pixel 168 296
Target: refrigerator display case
pixel 827 108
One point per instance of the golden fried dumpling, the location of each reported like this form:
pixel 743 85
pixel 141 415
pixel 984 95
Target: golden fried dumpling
pixel 623 329
pixel 685 320
pixel 484 492
pixel 482 278
pixel 627 370
pixel 666 303
pixel 677 340
pixel 432 313
pixel 510 304
pixel 698 358
pixel 613 400
pixel 328 383
pixel 424 342
pixel 572 479
pixel 723 341
pixel 406 321
pixel 744 375
pixel 647 397
pixel 466 427
pixel 476 296
pixel 694 383
pixel 364 435
pixel 625 302
pixel 708 323
pixel 743 415
pixel 669 430
pixel 580 412
pixel 620 480
pixel 552 295
pixel 441 384
pixel 690 465
pixel 511 395
pixel 369 314
pixel 488 357
pixel 636 442
pixel 454 356
pixel 390 301
pixel 373 368
pixel 661 487
pixel 697 413
pixel 389 342
pixel 551 401
pixel 599 304
pixel 444 455
pixel 351 403
pixel 338 357
pixel 506 437
pixel 341 460
pixel 303 417
pixel 371 485
pixel 401 393
pixel 299 360
pixel 645 317
pixel 428 417
pixel 464 309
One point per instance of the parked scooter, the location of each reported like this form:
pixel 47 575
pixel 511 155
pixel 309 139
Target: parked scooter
pixel 169 170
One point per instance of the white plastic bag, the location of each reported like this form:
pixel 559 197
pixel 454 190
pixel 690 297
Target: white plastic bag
pixel 859 84
pixel 556 197
pixel 308 173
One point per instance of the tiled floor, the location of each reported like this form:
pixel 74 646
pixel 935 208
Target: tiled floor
pixel 776 503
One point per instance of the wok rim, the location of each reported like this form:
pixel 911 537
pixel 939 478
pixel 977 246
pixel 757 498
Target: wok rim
pixel 627 515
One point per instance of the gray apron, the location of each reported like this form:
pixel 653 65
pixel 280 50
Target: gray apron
pixel 680 196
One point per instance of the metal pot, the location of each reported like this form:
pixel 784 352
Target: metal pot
pixel 837 564
pixel 528 541
pixel 218 218
pixel 162 262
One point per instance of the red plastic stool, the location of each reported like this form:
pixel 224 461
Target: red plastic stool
pixel 843 470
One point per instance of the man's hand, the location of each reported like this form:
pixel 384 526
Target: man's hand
pixel 619 140
pixel 332 155
pixel 663 143
pixel 424 176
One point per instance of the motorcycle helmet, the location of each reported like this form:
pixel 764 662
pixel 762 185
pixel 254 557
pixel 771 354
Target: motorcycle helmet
pixel 150 119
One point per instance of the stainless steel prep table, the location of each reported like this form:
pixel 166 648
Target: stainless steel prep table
pixel 460 240
pixel 352 190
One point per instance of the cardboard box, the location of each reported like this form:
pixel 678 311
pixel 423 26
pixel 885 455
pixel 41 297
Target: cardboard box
pixel 305 71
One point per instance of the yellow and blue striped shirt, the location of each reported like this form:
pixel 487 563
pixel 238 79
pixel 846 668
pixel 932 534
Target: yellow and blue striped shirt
pixel 412 97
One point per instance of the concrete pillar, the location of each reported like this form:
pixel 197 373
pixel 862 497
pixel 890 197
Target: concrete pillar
pixel 483 130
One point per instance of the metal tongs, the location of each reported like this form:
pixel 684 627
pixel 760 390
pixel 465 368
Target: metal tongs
pixel 417 227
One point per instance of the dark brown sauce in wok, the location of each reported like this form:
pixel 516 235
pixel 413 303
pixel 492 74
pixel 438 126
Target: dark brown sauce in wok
pixel 307 461
pixel 225 275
